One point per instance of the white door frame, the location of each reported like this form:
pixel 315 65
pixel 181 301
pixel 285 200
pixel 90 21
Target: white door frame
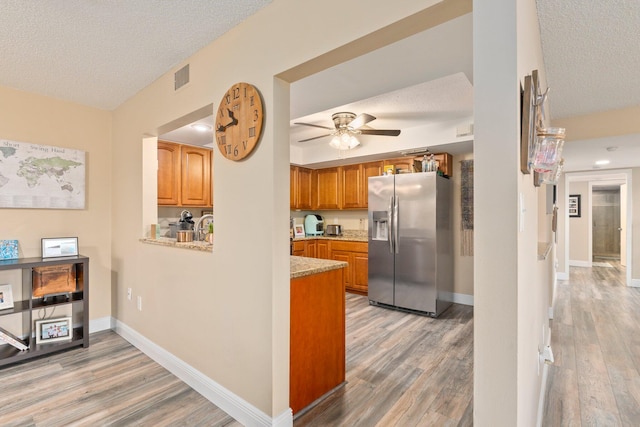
pixel 616 175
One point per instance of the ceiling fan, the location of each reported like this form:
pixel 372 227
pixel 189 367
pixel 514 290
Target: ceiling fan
pixel 346 127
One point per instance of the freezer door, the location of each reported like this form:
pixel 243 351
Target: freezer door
pixel 415 263
pixel 381 256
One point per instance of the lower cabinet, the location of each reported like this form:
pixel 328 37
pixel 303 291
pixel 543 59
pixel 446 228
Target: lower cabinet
pixel 355 254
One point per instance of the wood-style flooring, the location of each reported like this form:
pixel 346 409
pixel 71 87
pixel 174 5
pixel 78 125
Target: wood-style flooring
pixel 595 337
pixel 402 370
pixel 111 383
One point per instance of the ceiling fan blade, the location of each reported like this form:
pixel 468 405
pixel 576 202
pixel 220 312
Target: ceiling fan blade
pixel 315 137
pixel 315 126
pixel 383 132
pixel 361 120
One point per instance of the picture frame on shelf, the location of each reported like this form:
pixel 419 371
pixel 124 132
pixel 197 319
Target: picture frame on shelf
pixel 6 297
pixel 574 207
pixel 298 230
pixel 59 247
pixel 53 330
pixel 389 169
pixel 8 249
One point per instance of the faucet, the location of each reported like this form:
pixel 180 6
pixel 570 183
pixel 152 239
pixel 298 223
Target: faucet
pixel 198 227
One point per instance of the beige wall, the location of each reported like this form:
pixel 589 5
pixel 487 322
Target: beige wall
pixel 226 313
pixel 579 227
pixel 511 285
pixel 33 118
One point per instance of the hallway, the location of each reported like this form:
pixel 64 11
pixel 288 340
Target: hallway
pixel 595 337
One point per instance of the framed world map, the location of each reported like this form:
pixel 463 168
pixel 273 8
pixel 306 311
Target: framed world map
pixel 41 176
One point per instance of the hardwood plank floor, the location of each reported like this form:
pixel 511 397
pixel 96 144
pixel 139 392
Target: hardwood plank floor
pixel 110 383
pixel 402 370
pixel 595 337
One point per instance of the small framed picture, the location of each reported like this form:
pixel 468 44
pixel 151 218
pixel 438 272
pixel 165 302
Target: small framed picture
pixel 298 230
pixel 389 169
pixel 574 206
pixel 51 330
pixel 6 297
pixel 59 247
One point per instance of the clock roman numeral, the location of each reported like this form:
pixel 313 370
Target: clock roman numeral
pixel 252 132
pixel 222 139
pixel 228 148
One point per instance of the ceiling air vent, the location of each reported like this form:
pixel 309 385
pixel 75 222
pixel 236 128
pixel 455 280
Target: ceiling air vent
pixel 181 77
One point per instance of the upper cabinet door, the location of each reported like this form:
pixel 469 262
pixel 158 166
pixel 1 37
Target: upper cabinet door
pixel 326 188
pixel 304 182
pixel 352 186
pixel 368 170
pixel 168 173
pixel 196 176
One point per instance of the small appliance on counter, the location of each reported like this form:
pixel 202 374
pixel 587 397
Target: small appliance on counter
pixel 334 230
pixel 313 225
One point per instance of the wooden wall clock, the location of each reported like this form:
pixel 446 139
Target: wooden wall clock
pixel 239 121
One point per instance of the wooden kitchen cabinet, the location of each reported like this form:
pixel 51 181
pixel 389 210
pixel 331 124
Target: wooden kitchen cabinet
pixel 195 176
pixel 184 175
pixel 356 255
pixel 322 249
pixel 300 187
pixel 326 188
pixel 351 194
pixel 400 163
pixel 298 248
pixel 169 165
pixel 368 170
pixel 310 248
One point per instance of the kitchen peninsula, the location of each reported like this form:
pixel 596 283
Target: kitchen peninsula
pixel 317 333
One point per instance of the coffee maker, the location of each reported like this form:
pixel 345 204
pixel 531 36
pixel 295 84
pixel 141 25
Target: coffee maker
pixel 313 225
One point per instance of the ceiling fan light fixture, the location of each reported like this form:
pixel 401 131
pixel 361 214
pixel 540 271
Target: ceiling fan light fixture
pixel 344 140
pixel 201 127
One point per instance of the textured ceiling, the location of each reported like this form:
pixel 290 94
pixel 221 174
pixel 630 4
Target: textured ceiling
pixel 100 53
pixel 591 52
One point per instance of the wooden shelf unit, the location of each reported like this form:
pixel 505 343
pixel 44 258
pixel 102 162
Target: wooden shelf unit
pixel 79 301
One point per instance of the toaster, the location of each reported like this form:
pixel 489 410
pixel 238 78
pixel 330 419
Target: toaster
pixel 334 230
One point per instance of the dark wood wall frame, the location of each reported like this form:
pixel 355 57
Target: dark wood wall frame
pixel 527 124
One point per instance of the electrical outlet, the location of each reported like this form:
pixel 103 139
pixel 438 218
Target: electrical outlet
pixel 139 303
pixel 129 293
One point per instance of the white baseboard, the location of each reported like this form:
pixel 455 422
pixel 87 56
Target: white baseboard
pixel 543 392
pixel 101 324
pixel 575 263
pixel 232 404
pixel 463 299
pixel 562 276
pixel 635 283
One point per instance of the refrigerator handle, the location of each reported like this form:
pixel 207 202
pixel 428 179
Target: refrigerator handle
pixel 396 202
pixel 390 222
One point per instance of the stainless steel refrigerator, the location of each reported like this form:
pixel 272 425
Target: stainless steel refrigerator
pixel 411 242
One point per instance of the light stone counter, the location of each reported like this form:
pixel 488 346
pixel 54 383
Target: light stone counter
pixel 347 235
pixel 302 266
pixel 166 241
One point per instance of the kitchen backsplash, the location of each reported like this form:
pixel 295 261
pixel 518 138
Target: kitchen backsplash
pixel 355 220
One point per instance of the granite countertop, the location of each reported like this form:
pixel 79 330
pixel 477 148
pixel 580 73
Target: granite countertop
pixel 166 241
pixel 302 266
pixel 347 235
